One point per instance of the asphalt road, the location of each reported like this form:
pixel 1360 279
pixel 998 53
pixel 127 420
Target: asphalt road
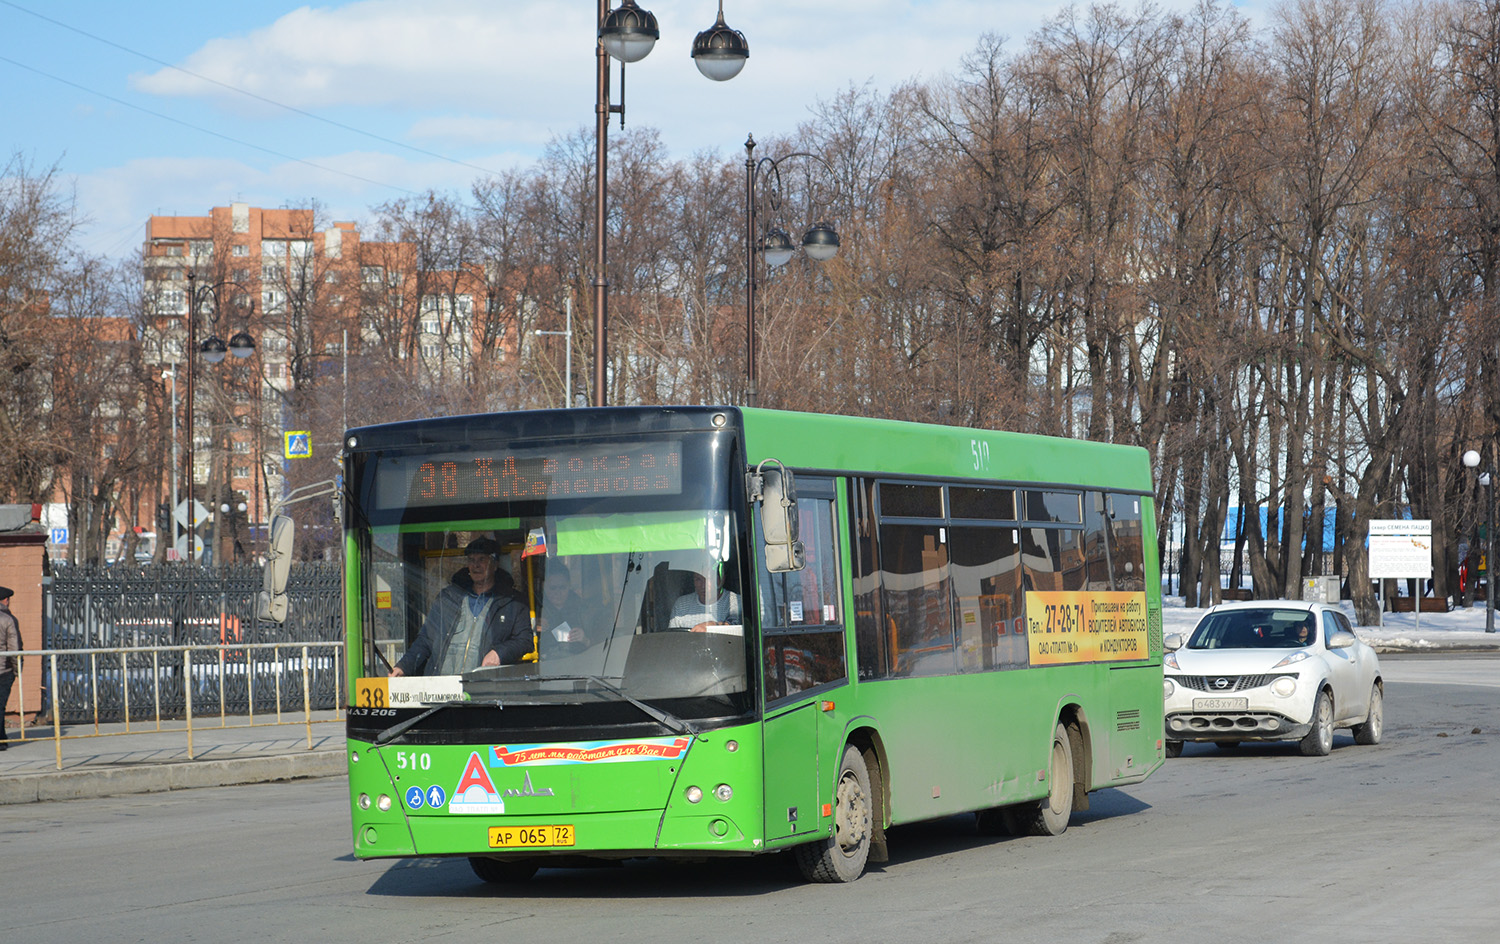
pixel 1398 842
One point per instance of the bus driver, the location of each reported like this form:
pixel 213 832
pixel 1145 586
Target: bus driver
pixel 708 605
pixel 475 622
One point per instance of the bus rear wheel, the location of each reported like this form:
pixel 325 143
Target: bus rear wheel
pixel 842 856
pixel 500 871
pixel 1049 816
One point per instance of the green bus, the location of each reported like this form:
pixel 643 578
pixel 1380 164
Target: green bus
pixel 744 631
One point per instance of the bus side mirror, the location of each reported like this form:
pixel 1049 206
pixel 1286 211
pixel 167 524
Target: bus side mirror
pixel 776 492
pixel 271 602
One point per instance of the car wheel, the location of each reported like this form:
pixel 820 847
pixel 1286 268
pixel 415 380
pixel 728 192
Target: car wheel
pixel 1369 732
pixel 1174 748
pixel 1319 741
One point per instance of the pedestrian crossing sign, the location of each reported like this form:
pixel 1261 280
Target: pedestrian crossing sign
pixel 298 444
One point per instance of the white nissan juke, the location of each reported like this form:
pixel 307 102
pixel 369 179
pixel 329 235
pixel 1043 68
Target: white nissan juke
pixel 1278 670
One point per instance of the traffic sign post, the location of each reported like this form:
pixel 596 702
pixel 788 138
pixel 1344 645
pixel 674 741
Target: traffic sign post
pixel 180 548
pixel 298 444
pixel 199 514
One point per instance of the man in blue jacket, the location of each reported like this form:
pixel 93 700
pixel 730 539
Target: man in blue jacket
pixel 475 621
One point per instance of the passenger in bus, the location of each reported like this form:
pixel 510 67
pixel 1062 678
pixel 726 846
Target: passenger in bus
pixel 709 604
pixel 560 619
pixel 477 620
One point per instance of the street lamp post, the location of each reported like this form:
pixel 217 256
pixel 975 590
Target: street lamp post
pixel 628 33
pixel 214 350
pixel 172 515
pixel 1487 481
pixel 820 243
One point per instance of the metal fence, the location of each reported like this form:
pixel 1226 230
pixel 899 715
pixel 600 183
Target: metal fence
pixel 123 690
pixel 173 636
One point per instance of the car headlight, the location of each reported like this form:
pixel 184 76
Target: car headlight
pixel 1170 660
pixel 1284 686
pixel 1291 659
pixel 1167 688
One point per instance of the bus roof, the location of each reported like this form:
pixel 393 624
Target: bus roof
pixel 811 441
pixel 894 447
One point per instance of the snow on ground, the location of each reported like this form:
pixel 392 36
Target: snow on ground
pixel 1399 632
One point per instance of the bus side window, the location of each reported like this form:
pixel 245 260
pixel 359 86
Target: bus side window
pixel 1126 542
pixel 871 639
pixel 987 587
pixel 916 594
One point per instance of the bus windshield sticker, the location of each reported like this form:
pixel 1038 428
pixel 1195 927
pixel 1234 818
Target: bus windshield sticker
pixel 1064 627
pixel 589 752
pixel 626 533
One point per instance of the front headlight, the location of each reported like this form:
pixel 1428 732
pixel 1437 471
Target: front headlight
pixel 1167 688
pixel 1292 659
pixel 1170 661
pixel 1285 686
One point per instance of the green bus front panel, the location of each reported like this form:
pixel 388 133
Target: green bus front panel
pixel 607 797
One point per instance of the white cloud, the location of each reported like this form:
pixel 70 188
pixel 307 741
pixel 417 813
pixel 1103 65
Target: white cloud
pixel 119 200
pixel 380 52
pixel 523 71
pixel 490 83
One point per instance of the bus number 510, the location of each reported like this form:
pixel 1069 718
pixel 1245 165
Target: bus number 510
pixel 981 452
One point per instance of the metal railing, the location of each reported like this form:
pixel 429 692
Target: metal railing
pixel 142 686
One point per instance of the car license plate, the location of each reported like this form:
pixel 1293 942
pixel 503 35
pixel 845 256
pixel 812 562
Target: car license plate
pixel 530 837
pixel 1221 704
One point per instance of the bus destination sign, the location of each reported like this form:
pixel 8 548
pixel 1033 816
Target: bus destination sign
pixel 551 472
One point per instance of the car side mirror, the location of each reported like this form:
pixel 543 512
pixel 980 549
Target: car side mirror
pixel 1173 642
pixel 1342 639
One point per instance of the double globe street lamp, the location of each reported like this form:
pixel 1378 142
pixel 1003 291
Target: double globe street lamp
pixel 628 34
pixel 213 350
pixel 1487 482
pixel 820 243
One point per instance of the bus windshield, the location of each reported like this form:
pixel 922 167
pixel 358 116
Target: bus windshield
pixel 629 592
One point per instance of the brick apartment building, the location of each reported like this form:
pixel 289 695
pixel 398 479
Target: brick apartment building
pixel 307 296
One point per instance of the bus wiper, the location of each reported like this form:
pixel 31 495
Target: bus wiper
pixel 661 715
pixel 400 728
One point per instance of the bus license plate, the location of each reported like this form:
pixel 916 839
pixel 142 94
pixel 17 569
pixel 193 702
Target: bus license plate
pixel 530 837
pixel 1221 704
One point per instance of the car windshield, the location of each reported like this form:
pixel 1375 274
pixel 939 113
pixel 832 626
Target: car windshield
pixel 1258 628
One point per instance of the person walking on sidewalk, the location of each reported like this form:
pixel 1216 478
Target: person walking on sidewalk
pixel 10 641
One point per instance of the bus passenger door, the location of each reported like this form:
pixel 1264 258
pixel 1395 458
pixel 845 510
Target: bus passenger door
pixel 791 766
pixel 804 666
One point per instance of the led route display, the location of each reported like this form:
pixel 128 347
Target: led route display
pixel 554 471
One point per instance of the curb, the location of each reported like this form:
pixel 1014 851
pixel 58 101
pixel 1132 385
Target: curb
pixel 157 778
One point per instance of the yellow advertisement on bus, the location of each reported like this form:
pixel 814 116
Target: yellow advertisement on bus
pixel 1071 626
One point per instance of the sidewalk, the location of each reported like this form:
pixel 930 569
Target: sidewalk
pixel 146 760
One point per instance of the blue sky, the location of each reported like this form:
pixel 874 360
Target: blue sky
pixel 352 104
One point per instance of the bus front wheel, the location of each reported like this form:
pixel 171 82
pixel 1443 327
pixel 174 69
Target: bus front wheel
pixel 1049 816
pixel 842 856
